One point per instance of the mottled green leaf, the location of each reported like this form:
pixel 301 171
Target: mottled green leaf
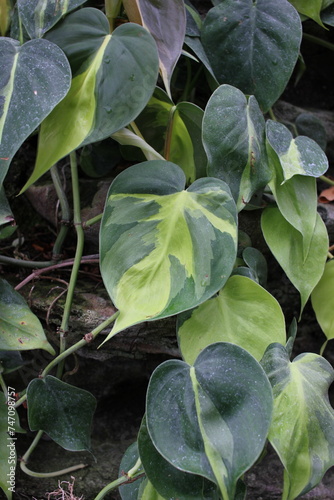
pixel 309 8
pixel 61 410
pixel 34 78
pixel 9 425
pixel 114 77
pixel 210 419
pixel 163 249
pixel 286 243
pixel 166 479
pixel 166 21
pixel 38 16
pixel 234 141
pixel 253 46
pixel 302 430
pixel 243 313
pixel 323 300
pixel 20 329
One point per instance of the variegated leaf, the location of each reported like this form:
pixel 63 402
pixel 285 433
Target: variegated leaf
pixel 302 429
pixel 34 78
pixel 234 141
pixel 114 77
pixel 164 249
pixel 38 16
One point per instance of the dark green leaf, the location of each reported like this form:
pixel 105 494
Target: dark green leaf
pixel 10 361
pixel 130 491
pixel 20 329
pixel 253 45
pixel 311 126
pixel 234 141
pixel 155 232
pixel 61 410
pixel 34 78
pixel 6 214
pixel 210 419
pixel 100 159
pixel 256 261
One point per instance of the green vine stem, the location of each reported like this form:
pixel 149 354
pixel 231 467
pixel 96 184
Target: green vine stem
pixel 27 454
pixel 327 180
pixel 29 264
pixel 318 41
pixel 112 8
pixel 129 477
pixel 2 383
pixel 92 221
pixel 77 258
pixel 65 213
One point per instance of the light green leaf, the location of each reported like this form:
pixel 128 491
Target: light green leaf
pixel 309 8
pixel 302 430
pixel 168 481
pixel 6 214
pixel 127 138
pixel 210 419
pixel 9 425
pixel 234 141
pixel 243 313
pixel 38 16
pixel 114 77
pixel 166 21
pixel 253 46
pixel 20 329
pixel 148 492
pixel 61 410
pixel 286 243
pixel 28 92
pixel 323 301
pixel 5 14
pixel 163 249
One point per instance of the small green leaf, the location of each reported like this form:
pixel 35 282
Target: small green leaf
pixel 61 410
pixel 38 16
pixel 130 457
pixel 6 214
pixel 287 245
pixel 323 300
pixel 234 141
pixel 309 8
pixel 243 313
pixel 114 77
pixel 257 263
pixel 210 419
pixel 35 76
pixel 163 249
pixel 261 39
pixel 20 329
pixel 302 430
pixel 166 479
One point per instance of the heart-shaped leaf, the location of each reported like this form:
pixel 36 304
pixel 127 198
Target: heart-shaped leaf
pixel 210 419
pixel 243 313
pixel 286 243
pixel 20 329
pixel 38 16
pixel 323 301
pixel 261 39
pixel 34 78
pixel 166 21
pixel 234 141
pixel 163 249
pixel 114 77
pixel 166 479
pixel 302 430
pixel 61 410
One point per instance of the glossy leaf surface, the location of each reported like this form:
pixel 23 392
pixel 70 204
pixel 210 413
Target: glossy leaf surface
pixel 302 430
pixel 166 479
pixel 163 249
pixel 38 16
pixel 34 78
pixel 166 21
pixel 20 329
pixel 114 77
pixel 243 313
pixel 286 243
pixel 212 418
pixel 61 410
pixel 260 38
pixel 233 137
pixel 323 300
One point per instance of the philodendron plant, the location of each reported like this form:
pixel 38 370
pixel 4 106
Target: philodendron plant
pixel 90 80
